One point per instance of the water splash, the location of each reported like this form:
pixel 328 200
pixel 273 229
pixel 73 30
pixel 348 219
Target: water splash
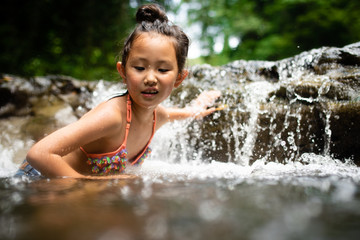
pixel 327 134
pixel 255 94
pixel 13 145
pixel 256 136
pixel 277 115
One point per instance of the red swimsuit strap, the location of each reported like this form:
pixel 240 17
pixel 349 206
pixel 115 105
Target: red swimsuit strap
pixel 128 119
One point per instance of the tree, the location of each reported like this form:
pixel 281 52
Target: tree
pixel 274 29
pixel 77 38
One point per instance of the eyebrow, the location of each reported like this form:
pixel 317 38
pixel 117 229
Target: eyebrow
pixel 157 62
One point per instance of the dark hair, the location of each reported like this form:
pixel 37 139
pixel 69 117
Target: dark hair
pixel 152 18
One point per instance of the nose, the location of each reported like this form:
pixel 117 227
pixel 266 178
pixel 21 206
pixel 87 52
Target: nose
pixel 150 79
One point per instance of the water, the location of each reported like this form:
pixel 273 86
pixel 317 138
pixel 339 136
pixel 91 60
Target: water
pixel 178 201
pixel 241 173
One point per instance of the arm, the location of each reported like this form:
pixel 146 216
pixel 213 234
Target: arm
pixel 197 109
pixel 48 154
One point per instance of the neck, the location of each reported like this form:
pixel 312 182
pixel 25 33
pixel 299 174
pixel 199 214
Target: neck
pixel 142 114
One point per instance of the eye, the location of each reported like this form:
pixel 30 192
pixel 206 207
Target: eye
pixel 163 70
pixel 139 68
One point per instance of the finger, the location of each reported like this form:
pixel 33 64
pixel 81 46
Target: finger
pixel 205 113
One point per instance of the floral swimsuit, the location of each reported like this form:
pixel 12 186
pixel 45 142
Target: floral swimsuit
pixel 116 161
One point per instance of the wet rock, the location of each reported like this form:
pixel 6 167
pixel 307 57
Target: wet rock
pixel 20 96
pixel 13 101
pixel 345 129
pixel 314 107
pixel 42 98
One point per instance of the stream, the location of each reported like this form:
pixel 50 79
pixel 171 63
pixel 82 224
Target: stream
pixel 267 166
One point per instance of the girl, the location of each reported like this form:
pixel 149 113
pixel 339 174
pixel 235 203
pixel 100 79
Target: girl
pixel 117 132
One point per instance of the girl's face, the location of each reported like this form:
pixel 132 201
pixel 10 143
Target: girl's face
pixel 151 71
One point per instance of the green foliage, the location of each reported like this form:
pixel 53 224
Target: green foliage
pixel 274 29
pixel 77 38
pixel 83 38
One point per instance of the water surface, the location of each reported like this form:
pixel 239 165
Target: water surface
pixel 318 200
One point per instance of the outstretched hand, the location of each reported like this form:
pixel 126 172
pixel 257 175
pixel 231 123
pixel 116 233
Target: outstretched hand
pixel 200 105
pixel 197 109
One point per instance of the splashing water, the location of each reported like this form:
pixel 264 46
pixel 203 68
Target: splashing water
pixel 227 147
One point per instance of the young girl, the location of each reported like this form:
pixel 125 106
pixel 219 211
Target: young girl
pixel 118 132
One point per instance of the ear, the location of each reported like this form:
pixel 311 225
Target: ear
pixel 121 70
pixel 181 78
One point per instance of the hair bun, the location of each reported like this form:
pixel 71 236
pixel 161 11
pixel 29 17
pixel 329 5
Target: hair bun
pixel 150 13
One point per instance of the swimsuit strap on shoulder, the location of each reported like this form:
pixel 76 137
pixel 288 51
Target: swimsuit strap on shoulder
pixel 128 118
pixel 128 108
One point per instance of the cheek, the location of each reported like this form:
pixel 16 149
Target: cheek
pixel 170 85
pixel 170 79
pixel 132 79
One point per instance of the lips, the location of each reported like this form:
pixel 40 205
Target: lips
pixel 150 91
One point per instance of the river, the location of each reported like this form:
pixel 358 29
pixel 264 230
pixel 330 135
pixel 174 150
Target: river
pixel 206 179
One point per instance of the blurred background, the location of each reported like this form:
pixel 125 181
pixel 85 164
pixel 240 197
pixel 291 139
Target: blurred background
pixel 83 39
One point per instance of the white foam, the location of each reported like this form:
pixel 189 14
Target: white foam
pixel 295 172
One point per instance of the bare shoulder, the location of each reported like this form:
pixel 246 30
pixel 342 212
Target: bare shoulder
pixel 107 114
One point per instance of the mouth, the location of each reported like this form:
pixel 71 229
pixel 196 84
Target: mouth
pixel 150 92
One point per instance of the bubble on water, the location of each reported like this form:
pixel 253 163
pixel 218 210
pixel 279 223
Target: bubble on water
pixel 147 190
pixel 344 192
pixel 141 209
pixel 16 198
pixel 115 234
pixel 293 220
pixel 8 226
pixel 156 227
pixel 125 192
pixel 210 210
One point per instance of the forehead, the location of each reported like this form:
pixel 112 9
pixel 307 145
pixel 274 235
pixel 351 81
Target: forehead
pixel 153 45
pixel 152 38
